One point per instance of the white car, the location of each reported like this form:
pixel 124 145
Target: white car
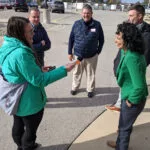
pixel 147 10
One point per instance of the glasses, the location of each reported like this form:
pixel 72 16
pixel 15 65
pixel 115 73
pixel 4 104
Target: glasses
pixel 31 31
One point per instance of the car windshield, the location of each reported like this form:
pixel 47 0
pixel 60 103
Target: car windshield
pixel 4 1
pixel 20 1
pixel 57 2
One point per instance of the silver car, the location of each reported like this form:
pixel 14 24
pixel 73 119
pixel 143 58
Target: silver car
pixel 56 6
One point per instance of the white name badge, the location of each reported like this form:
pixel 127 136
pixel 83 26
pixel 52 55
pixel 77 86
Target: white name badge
pixel 93 30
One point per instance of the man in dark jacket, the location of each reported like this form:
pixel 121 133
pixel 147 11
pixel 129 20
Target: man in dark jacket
pixel 87 40
pixel 136 15
pixel 41 41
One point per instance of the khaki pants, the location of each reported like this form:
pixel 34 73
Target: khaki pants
pixel 89 65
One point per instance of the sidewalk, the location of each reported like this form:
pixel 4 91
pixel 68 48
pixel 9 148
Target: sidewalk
pixel 104 128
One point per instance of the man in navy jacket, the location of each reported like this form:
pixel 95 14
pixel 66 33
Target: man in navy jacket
pixel 87 39
pixel 41 41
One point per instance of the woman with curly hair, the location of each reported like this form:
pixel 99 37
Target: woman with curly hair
pixel 132 81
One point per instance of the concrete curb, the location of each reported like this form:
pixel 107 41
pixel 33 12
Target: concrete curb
pixel 104 128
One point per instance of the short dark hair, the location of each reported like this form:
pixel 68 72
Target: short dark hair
pixel 139 8
pixel 131 36
pixel 87 6
pixel 33 9
pixel 15 28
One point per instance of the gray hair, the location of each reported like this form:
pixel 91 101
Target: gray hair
pixel 87 6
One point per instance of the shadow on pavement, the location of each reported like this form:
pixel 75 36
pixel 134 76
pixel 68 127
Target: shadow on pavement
pixel 146 110
pixel 55 147
pixel 140 140
pixel 103 96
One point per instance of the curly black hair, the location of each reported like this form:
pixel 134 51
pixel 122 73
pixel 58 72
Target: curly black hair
pixel 131 36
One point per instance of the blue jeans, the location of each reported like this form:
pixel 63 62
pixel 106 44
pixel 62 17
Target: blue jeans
pixel 128 115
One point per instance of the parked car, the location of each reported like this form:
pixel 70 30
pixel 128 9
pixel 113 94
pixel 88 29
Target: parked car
pixel 54 5
pixel 32 4
pixel 57 6
pixel 12 2
pixel 147 9
pixel 44 4
pixel 20 5
pixel 5 4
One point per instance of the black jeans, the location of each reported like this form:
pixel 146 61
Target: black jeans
pixel 24 130
pixel 128 115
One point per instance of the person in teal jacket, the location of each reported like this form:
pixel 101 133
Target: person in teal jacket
pixel 131 77
pixel 20 65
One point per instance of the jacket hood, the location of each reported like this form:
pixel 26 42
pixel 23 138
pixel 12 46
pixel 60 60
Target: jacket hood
pixel 9 45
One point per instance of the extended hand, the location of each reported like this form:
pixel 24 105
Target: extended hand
pixel 70 66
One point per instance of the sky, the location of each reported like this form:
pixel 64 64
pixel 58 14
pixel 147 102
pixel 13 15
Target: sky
pixel 132 1
pixel 129 1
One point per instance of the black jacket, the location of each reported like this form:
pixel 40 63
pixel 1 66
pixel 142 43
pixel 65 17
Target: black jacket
pixel 39 35
pixel 145 31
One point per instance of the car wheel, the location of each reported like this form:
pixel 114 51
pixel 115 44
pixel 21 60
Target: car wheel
pixel 15 10
pixel 63 11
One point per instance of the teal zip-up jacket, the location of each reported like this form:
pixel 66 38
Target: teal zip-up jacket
pixel 131 77
pixel 19 66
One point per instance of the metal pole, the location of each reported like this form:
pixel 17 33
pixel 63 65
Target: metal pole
pixel 46 14
pixel 76 5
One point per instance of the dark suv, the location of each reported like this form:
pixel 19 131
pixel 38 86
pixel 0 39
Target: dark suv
pixel 20 5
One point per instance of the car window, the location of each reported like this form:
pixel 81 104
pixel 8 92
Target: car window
pixel 4 1
pixel 20 1
pixel 57 2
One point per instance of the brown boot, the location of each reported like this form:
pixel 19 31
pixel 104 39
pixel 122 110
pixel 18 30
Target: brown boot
pixel 111 144
pixel 113 108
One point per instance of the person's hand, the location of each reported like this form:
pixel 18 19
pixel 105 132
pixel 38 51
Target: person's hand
pixel 48 68
pixel 71 57
pixel 128 103
pixel 70 66
pixel 43 43
pixel 45 69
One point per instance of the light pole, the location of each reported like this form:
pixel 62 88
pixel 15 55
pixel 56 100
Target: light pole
pixel 76 5
pixel 46 13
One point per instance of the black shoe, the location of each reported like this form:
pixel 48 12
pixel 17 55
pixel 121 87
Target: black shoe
pixel 73 92
pixel 36 145
pixel 33 147
pixel 90 94
pixel 19 148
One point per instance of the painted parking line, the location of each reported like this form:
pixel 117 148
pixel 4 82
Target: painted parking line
pixel 58 19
